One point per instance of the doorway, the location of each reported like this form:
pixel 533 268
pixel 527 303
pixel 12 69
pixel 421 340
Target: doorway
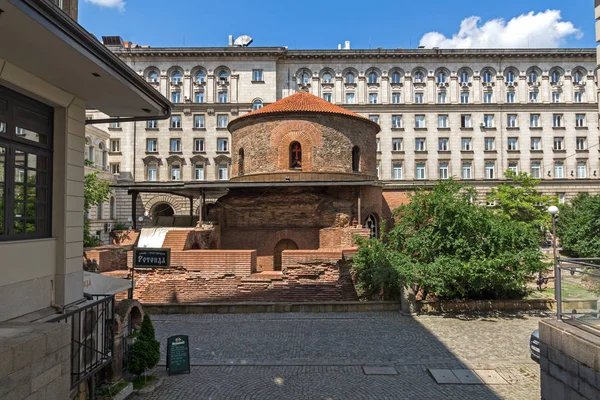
pixel 284 244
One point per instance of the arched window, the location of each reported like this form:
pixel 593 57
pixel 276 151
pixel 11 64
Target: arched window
pixel 510 77
pixel 396 77
pixel 441 78
pixel 464 76
pixel 327 77
pixel 223 77
pixel 355 159
pixel 350 78
pixel 305 78
pixel 176 77
pixel 555 76
pixel 152 171
pixel 295 155
pixel 419 77
pixel 372 77
pixel 371 223
pixel 533 76
pixel 103 155
pixel 175 172
pixel 257 104
pixel 113 208
pixel 487 77
pixel 577 77
pixel 153 76
pixel 200 77
pixel 241 162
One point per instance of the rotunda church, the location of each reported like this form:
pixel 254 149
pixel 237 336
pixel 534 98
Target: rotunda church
pixel 302 169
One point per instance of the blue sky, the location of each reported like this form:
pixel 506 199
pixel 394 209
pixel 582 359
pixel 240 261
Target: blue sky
pixel 324 24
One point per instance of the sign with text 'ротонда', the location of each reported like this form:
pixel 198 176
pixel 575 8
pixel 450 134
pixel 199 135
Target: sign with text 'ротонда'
pixel 144 257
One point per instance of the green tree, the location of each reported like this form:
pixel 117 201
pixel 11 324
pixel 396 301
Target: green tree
pixel 445 245
pixel 95 191
pixel 145 352
pixel 520 199
pixel 578 226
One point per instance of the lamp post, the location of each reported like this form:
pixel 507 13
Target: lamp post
pixel 553 210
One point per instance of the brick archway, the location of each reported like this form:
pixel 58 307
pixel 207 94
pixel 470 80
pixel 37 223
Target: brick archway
pixel 163 198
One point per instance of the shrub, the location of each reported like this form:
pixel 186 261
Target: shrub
pixel 145 352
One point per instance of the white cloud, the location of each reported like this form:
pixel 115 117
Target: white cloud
pixel 544 29
pixel 118 4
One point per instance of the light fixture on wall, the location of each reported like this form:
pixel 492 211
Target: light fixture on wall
pixel 595 173
pixel 549 173
pixel 572 173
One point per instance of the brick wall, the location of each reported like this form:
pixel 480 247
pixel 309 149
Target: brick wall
pixel 341 238
pixel 106 258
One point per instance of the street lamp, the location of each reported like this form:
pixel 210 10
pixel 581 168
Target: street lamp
pixel 553 210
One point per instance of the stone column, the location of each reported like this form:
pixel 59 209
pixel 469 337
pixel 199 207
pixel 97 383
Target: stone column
pixel 164 84
pixel 408 91
pixel 186 89
pixel 523 89
pixel 476 89
pixel 500 90
pixel 233 89
pixel 339 90
pixel 361 91
pixel 545 90
pixel 315 87
pixel 590 88
pixel 385 89
pixel 430 91
pixel 210 89
pixel 454 90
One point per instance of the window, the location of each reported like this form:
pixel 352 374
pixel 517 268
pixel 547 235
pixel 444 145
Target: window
pixel 555 97
pixel 258 104
pixel 581 170
pixel 464 98
pixel 25 160
pixel 327 97
pixel 372 77
pixel 465 121
pixel 199 121
pixel 199 97
pixel 441 98
pixel 578 97
pixel 533 97
pixel 559 143
pixel 372 98
pixel 378 169
pixel 199 171
pixel 397 171
pixel 257 75
pixel 534 121
pixel 487 77
pixel 581 143
pixel 559 171
pixel 443 144
pixel 396 77
pixel 419 76
pixel 490 170
pixel 397 144
pixel 223 78
pixel 557 120
pixel 396 121
pixel 152 124
pixel 176 121
pixel 100 210
pixel 356 159
pixel 441 77
pixel 487 98
pixel 488 120
pixel 222 172
pixel 153 77
pixel 511 121
pixel 510 97
pixel 152 145
pixel 200 77
pixel 115 168
pixel 115 145
pixel 176 78
pixel 580 120
pixel 420 171
pixel 512 144
pixel 198 145
pixel 396 98
pixel 419 121
pixel 222 121
pixel 577 77
pixel 176 97
pixel 533 77
pixel 536 169
pixel 466 170
pixel 152 172
pixel 554 77
pixel 377 144
pixel 175 146
pixel 327 78
pixel 222 145
pixel 113 125
pixel 419 98
pixel 465 144
pixel 489 144
pixel 350 78
pixel 561 198
pixel 443 170
pixel 513 167
pixel 536 144
pixel 510 77
pixel 374 118
pixel 222 97
pixel 349 98
pixel 175 172
pixel 420 144
pixel 464 77
pixel 443 121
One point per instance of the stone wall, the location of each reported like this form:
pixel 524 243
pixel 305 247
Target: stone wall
pixel 35 361
pixel 570 362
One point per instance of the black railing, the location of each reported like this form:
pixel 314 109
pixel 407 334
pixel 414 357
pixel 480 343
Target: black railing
pixel 91 336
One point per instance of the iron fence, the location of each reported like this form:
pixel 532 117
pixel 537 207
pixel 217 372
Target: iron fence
pixel 92 337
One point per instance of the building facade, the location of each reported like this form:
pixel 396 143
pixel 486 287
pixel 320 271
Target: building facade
pixel 467 114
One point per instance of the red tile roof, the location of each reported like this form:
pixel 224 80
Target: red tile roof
pixel 302 102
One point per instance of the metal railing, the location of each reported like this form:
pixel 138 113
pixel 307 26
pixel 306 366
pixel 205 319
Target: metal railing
pixel 92 337
pixel 577 284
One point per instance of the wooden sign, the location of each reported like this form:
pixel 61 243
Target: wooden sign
pixel 144 257
pixel 178 354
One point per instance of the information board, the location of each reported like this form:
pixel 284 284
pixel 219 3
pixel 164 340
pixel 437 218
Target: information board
pixel 178 354
pixel 144 257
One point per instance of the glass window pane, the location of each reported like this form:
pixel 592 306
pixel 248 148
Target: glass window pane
pixel 2 127
pixel 30 135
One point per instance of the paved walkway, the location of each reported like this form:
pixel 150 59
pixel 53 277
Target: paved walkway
pixel 321 356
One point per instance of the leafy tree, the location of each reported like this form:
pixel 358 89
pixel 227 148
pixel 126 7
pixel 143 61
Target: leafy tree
pixel 95 191
pixel 445 245
pixel 145 352
pixel 578 226
pixel 520 199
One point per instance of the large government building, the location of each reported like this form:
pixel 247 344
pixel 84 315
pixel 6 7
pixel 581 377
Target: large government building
pixel 467 114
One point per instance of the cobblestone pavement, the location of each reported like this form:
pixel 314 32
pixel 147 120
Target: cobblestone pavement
pixel 320 356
